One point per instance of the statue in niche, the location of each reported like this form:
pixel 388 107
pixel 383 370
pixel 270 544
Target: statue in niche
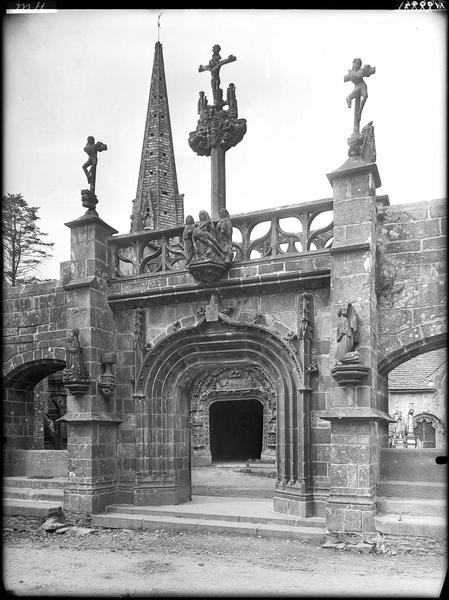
pixel 224 235
pixel 187 238
pixel 204 238
pixel 360 91
pixel 214 66
pixel 147 220
pixel 409 422
pixel 347 331
pixel 74 369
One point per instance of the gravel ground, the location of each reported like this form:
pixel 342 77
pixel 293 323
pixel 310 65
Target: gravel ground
pixel 152 563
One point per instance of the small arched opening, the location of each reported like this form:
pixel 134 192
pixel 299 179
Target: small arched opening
pixel 34 400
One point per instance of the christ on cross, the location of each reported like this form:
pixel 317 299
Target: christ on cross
pixel 214 67
pixel 91 149
pixel 360 91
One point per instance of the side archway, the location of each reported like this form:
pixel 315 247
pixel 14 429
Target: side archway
pixel 19 411
pixel 163 404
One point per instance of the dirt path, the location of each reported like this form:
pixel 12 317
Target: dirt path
pixel 121 562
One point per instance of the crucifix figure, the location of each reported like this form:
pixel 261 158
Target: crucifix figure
pixel 91 149
pixel 214 67
pixel 360 91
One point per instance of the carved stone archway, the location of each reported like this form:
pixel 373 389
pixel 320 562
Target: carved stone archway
pixel 435 423
pixel 225 384
pixel 163 392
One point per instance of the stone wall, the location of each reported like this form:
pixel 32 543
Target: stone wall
pixel 34 324
pixel 411 280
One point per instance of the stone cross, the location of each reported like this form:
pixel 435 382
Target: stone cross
pixel 214 66
pixel 92 149
pixel 360 91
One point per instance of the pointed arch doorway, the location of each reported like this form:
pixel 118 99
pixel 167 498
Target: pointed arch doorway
pixel 163 399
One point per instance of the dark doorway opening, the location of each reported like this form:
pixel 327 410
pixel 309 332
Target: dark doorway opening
pixel 236 428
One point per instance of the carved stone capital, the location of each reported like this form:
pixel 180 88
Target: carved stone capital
pixel 350 375
pixel 89 200
pixel 216 128
pixel 208 271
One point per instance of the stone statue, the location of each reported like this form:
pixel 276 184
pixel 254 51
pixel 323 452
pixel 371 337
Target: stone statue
pixel 409 429
pixel 202 104
pixel 92 149
pixel 204 238
pixel 346 333
pixel 214 67
pixel 360 91
pixel 74 369
pixel 224 235
pixel 147 220
pixel 187 238
pixel 231 101
pixel 368 149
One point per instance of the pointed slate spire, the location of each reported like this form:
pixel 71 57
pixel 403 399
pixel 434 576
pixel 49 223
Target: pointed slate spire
pixel 158 203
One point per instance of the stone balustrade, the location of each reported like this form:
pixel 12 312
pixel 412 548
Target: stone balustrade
pixel 295 229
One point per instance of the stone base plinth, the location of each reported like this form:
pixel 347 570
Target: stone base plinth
pixel 85 500
pixel 350 522
pixel 350 375
pixel 292 504
pixel 201 460
pixel 158 496
pixel 208 271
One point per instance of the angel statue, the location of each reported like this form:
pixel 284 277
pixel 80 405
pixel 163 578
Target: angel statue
pixel 347 330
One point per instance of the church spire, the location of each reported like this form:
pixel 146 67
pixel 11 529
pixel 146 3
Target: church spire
pixel 158 204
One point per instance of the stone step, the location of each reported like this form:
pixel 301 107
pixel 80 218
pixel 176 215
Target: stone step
pixel 52 495
pixel 412 525
pixel 34 482
pixel 216 490
pixel 411 489
pixel 288 520
pixel 29 508
pixel 146 521
pixel 412 506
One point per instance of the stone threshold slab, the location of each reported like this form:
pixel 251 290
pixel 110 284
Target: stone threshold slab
pixel 221 509
pixel 141 521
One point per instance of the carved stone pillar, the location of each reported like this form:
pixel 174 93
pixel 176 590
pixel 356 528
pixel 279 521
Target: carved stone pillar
pixel 358 425
pixel 90 418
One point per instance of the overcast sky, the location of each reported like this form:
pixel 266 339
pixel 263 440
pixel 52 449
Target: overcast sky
pixel 71 74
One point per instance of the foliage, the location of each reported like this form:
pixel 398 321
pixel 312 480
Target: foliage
pixel 24 246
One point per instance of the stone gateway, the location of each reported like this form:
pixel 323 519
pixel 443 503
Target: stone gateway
pixel 189 341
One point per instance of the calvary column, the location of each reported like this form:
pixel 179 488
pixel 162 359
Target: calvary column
pixel 217 129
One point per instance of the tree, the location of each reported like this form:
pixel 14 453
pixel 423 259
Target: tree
pixel 24 247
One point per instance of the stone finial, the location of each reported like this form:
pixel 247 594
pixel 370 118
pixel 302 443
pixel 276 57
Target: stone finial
pixel 357 141
pixel 88 197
